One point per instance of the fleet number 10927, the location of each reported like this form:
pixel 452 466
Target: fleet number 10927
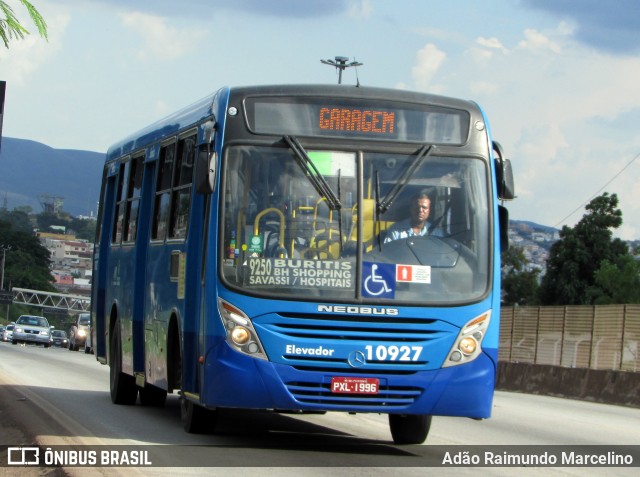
pixel 393 353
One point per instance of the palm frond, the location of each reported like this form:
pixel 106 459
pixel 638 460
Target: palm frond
pixel 10 27
pixel 36 18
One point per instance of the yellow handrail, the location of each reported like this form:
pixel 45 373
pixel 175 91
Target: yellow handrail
pixel 256 224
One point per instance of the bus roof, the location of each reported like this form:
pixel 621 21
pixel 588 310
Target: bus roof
pixel 202 109
pixel 167 126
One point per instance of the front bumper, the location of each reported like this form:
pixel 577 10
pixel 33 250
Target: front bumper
pixel 26 337
pixel 237 380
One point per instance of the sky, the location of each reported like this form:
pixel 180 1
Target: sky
pixel 558 79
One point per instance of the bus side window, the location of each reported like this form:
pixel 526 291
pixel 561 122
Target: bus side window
pixel 163 191
pixel 181 193
pixel 134 189
pixel 121 201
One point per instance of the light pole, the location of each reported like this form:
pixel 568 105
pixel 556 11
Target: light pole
pixel 5 249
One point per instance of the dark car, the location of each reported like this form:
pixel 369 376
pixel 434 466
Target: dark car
pixel 59 339
pixel 78 332
pixel 32 329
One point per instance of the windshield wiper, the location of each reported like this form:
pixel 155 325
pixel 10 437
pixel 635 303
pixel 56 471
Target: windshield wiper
pixel 318 181
pixel 388 199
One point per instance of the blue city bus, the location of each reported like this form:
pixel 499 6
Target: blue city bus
pixel 245 257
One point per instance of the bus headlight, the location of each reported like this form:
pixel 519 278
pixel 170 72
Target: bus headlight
pixel 241 335
pixel 468 344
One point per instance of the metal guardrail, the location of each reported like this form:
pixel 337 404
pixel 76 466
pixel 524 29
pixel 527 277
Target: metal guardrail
pixel 58 301
pixel 590 337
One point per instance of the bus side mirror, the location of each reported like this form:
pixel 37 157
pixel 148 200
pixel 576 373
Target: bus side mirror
pixel 207 159
pixel 504 174
pixel 206 163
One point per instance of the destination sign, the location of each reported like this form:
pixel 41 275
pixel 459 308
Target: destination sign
pixel 280 272
pixel 351 119
pixel 357 118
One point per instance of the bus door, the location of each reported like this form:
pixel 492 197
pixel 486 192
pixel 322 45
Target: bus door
pixel 194 324
pixel 100 269
pixel 139 207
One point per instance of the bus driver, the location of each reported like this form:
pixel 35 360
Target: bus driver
pixel 416 224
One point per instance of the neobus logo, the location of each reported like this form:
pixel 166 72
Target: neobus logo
pixel 358 310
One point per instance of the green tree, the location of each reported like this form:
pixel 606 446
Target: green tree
pixel 10 27
pixel 46 220
pixel 27 261
pixel 84 229
pixel 519 285
pixel 81 228
pixel 18 219
pixel 575 258
pixel 617 283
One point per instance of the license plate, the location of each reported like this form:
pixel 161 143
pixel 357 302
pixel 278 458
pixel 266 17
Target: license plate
pixel 349 385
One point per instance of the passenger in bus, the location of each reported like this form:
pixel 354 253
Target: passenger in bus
pixel 416 224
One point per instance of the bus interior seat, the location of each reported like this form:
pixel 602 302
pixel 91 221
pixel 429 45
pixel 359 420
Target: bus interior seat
pixel 369 229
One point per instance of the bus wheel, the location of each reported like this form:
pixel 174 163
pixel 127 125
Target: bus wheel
pixel 123 387
pixel 409 428
pixel 152 396
pixel 196 419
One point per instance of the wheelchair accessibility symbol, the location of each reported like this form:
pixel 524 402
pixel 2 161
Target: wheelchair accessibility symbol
pixel 378 280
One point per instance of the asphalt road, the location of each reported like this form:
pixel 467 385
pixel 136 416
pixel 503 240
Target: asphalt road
pixel 55 397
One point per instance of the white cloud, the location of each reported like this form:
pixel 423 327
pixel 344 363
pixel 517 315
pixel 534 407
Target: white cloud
pixel 162 40
pixel 492 43
pixel 536 41
pixel 485 48
pixel 428 61
pixel 566 115
pixel 563 154
pixel 25 56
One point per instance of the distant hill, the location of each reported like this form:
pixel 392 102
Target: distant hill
pixel 533 226
pixel 30 170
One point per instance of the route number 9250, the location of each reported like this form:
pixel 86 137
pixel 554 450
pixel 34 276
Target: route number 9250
pixel 393 353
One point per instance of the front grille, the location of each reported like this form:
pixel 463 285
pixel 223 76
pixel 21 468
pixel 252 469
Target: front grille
pixel 356 328
pixel 294 338
pixel 320 393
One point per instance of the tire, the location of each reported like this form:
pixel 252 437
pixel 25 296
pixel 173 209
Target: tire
pixel 14 342
pixel 197 419
pixel 409 428
pixel 122 386
pixel 87 350
pixel 152 396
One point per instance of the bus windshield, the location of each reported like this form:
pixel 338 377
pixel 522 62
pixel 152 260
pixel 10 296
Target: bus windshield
pixel 348 226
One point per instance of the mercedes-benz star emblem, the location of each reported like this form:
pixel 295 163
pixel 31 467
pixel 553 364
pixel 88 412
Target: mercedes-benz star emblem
pixel 356 359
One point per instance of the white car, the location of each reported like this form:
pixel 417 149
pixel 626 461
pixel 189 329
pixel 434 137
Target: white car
pixel 32 329
pixel 7 334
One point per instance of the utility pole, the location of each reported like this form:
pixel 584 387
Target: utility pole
pixel 5 249
pixel 340 63
pixel 5 298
